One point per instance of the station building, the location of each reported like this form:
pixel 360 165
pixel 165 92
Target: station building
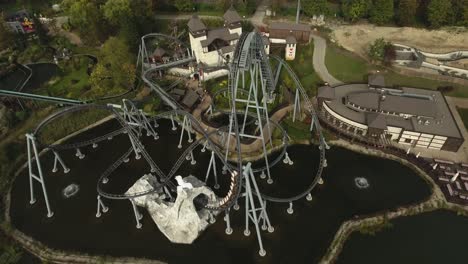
pixel 408 116
pixel 288 34
pixel 213 47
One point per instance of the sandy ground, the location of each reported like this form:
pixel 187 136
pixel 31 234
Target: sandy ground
pixel 357 38
pixel 459 64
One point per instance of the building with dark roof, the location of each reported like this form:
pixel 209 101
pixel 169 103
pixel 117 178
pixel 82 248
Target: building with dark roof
pixel 408 116
pixel 213 47
pixel 376 80
pixel 281 30
pixel 20 22
pixel 289 34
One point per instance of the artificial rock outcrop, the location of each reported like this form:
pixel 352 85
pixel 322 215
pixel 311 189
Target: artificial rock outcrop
pixel 181 220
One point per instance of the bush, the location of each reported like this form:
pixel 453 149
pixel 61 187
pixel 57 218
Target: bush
pixel 445 89
pixel 21 115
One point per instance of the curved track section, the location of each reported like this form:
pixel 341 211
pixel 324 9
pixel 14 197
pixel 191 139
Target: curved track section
pixel 249 47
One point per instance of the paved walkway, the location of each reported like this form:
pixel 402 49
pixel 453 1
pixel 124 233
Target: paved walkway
pixel 460 102
pixel 72 37
pixel 257 18
pixel 320 50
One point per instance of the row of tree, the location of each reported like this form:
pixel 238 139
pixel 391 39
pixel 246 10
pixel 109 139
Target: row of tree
pixel 117 24
pixel 432 13
pixel 244 6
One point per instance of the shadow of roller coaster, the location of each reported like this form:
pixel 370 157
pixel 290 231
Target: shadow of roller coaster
pixel 249 47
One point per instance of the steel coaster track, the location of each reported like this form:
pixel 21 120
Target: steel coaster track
pixel 236 172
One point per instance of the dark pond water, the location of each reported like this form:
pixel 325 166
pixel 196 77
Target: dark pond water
pixel 42 73
pixel 299 238
pixel 435 237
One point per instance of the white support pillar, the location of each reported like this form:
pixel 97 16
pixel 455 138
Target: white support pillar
pixel 252 212
pixel 290 209
pixel 57 160
pixel 79 154
pixel 193 161
pixel 101 207
pixel 138 216
pixel 174 127
pixel 228 223
pixel 32 150
pixel 297 105
pixel 212 167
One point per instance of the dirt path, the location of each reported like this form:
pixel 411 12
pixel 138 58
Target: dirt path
pixel 320 50
pixel 72 37
pixel 356 38
pixel 246 148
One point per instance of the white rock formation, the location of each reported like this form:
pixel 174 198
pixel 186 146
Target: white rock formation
pixel 179 221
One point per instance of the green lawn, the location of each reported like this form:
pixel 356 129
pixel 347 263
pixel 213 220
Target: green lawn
pixel 464 115
pixel 73 81
pixel 302 66
pixel 350 68
pixel 395 79
pixel 345 66
pixel 297 131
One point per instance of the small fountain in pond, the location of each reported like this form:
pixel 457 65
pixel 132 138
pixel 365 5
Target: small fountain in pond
pixel 361 182
pixel 70 190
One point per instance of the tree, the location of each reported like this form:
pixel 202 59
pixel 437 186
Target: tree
pixel 382 51
pixel 116 11
pixel 407 11
pixel 86 17
pixel 382 12
pixel 115 68
pixel 465 14
pixel 438 12
pixel 355 9
pixel 317 7
pixel 184 5
pixel 276 5
pixel 460 11
pixel 223 5
pixel 41 32
pixel 251 6
pixel 6 36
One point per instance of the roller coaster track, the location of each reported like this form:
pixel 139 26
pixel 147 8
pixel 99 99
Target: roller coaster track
pixel 37 97
pixel 234 169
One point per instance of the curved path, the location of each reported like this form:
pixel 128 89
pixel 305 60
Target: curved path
pixel 320 50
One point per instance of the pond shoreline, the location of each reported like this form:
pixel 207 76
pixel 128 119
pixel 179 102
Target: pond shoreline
pixel 59 256
pixel 434 202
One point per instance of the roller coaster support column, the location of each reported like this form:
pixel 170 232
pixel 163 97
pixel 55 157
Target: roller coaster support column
pixel 297 106
pixel 228 223
pixel 100 207
pixel 210 111
pixel 135 149
pixel 138 216
pixel 252 213
pixel 186 127
pixel 147 125
pixel 278 71
pixel 57 160
pixel 228 141
pixel 32 150
pixel 212 166
pixel 204 146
